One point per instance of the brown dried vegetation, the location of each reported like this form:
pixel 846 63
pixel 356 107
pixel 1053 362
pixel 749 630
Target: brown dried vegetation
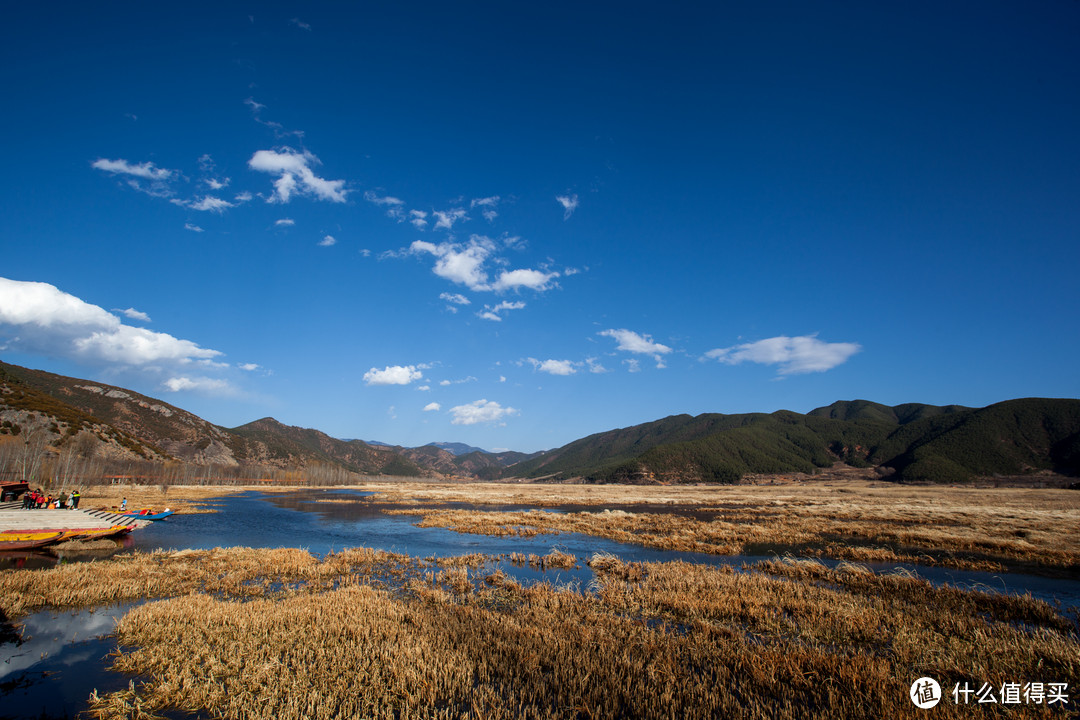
pixel 786 639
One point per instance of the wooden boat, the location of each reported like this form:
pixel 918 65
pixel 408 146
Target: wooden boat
pixel 95 533
pixel 148 514
pixel 27 541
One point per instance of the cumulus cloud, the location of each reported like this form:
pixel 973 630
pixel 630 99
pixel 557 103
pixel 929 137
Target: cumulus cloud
pixel 480 411
pixel 632 342
pixel 41 319
pixel 295 175
pixel 284 222
pixel 432 407
pixel 393 375
pixel 444 220
pixel 328 241
pixel 794 355
pixel 207 203
pixel 554 367
pixel 249 367
pixel 532 279
pixel 569 204
pixel 464 264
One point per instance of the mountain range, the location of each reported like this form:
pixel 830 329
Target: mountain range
pixel 910 442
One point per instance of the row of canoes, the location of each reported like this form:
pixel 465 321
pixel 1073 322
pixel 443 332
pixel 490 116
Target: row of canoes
pixel 12 540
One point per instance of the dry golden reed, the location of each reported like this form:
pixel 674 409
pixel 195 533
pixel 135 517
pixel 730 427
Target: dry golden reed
pixel 786 638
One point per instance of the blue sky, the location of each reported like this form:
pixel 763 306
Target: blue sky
pixel 514 225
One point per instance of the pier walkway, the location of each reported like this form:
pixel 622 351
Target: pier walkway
pixel 14 519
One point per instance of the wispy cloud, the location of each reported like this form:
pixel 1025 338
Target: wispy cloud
pixel 192 227
pixel 631 342
pixel 487 207
pixel 202 385
pixel 133 314
pixel 492 312
pixel 554 367
pixel 794 355
pixel 143 177
pixel 569 204
pixel 480 411
pixel 418 219
pixel 395 207
pixel 302 25
pixel 284 222
pixel 295 176
pixel 393 375
pixel 207 203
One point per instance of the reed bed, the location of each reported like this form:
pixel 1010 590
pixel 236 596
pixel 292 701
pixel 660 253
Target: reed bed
pixel 989 530
pixel 788 639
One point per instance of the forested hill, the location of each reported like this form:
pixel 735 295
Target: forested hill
pixel 911 442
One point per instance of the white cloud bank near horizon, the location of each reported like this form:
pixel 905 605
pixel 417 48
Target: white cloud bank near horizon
pixel 39 318
pixel 794 355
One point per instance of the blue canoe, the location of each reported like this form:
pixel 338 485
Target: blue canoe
pixel 146 515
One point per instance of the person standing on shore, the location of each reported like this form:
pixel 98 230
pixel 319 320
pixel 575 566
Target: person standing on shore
pixel 75 496
pixel 123 505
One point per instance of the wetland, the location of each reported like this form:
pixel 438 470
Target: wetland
pixel 487 600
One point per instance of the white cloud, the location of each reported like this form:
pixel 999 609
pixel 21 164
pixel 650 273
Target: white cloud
pixel 209 386
pixel 134 314
pixel 41 319
pixel 249 367
pixel 492 313
pixel 444 220
pixel 144 177
pixel 455 298
pixel 145 170
pixel 432 407
pixel 295 175
pixel 480 411
pixel 532 279
pixel 487 207
pixel 393 375
pixel 419 219
pixel 594 366
pixel 555 367
pixel 632 342
pixel 328 241
pixel 394 206
pixel 207 203
pixel 569 203
pixel 301 25
pixel 794 355
pixel 192 227
pixel 243 197
pixel 459 264
pixel 285 222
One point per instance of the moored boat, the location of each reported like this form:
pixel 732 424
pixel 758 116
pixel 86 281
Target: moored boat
pixel 27 541
pixel 148 514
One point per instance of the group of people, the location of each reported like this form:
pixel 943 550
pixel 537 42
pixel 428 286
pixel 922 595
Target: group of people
pixel 38 499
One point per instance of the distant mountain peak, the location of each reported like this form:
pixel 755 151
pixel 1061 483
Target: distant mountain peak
pixel 456 448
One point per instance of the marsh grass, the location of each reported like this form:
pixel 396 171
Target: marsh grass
pixel 785 639
pixel 970 529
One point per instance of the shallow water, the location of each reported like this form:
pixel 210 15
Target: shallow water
pixel 49 668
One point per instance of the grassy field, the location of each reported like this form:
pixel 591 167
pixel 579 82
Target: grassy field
pixel 245 633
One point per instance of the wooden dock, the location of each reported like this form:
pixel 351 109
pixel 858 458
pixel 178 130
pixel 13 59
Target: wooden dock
pixel 14 519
